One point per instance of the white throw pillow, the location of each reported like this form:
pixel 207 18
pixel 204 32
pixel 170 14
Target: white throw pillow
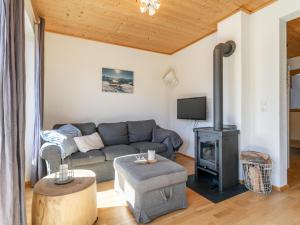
pixel 89 142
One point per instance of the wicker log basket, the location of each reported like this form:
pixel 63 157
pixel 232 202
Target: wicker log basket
pixel 257 169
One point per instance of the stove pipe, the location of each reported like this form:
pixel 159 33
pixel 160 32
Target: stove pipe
pixel 220 51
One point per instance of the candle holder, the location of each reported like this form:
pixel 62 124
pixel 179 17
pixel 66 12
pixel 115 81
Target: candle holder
pixel 64 175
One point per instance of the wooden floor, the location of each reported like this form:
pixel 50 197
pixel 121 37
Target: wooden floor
pixel 279 208
pixel 294 170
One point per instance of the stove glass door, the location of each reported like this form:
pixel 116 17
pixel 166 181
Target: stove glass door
pixel 208 151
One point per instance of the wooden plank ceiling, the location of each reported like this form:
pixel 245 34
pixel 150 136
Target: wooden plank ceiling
pixel 293 38
pixel 177 24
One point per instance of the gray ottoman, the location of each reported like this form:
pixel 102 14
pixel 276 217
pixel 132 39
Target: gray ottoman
pixel 151 190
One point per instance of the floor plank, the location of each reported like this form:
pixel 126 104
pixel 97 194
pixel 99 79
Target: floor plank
pixel 294 170
pixel 279 208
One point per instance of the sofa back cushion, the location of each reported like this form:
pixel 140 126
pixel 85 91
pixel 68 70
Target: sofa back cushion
pixel 140 130
pixel 113 133
pixel 85 128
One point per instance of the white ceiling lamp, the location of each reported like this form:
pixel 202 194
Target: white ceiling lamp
pixel 149 6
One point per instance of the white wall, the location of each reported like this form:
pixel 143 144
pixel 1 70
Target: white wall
pixel 194 68
pixel 268 71
pixel 73 82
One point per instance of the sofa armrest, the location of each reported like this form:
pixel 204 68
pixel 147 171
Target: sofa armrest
pixel 161 135
pixel 52 155
pixel 170 154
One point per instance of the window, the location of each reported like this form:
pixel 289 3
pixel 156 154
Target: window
pixel 29 62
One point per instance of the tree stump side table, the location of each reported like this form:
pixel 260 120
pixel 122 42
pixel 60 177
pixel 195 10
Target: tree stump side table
pixel 74 203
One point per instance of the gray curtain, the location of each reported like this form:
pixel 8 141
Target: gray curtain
pixel 12 112
pixel 38 169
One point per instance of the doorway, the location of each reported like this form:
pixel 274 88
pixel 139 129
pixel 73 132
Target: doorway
pixel 293 59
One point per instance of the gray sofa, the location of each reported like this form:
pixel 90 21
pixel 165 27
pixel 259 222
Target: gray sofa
pixel 119 139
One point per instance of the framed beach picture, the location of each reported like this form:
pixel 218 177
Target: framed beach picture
pixel 118 81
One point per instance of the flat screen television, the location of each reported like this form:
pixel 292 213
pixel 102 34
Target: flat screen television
pixel 191 108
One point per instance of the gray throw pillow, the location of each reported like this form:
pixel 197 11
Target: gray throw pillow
pixel 63 137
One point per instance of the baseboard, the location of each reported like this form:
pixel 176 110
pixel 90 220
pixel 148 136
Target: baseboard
pixel 186 156
pixel 276 188
pixel 282 188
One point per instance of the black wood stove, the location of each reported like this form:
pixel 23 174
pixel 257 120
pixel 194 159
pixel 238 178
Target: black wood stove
pixel 216 148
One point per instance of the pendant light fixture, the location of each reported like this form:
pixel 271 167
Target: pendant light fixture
pixel 149 6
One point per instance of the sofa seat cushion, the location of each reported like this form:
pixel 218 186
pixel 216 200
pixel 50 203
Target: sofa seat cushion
pixel 112 152
pixel 90 157
pixel 143 147
pixel 113 133
pixel 139 131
